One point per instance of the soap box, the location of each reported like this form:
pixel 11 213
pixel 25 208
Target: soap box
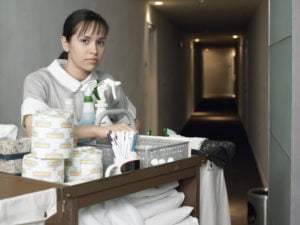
pixel 11 154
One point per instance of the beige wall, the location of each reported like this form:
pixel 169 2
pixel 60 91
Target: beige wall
pixel 256 121
pixel 218 72
pixel 170 77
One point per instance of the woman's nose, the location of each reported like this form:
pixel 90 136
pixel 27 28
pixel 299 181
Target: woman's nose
pixel 93 48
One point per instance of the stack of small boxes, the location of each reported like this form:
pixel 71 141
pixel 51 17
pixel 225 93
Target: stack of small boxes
pixel 11 154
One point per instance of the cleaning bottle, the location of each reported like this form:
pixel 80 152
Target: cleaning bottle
pixel 149 132
pixel 88 111
pixel 165 132
pixel 101 104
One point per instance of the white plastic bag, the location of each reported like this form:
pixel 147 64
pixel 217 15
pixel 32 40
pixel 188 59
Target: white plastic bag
pixel 214 207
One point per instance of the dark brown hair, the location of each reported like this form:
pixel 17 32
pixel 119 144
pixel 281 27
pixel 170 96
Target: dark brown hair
pixel 82 19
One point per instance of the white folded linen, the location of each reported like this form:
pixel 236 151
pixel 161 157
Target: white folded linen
pixel 214 206
pixel 8 131
pixel 137 201
pixel 30 209
pixel 170 217
pixel 113 212
pixel 194 142
pixel 189 221
pixel 155 190
pixel 162 205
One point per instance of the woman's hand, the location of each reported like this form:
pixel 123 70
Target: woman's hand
pixel 102 131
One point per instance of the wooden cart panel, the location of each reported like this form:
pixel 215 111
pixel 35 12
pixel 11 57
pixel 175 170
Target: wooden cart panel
pixel 72 198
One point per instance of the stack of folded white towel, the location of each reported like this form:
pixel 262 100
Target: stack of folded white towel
pixel 160 205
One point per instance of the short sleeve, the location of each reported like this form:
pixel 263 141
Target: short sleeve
pixel 34 96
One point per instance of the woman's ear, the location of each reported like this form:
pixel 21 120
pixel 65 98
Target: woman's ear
pixel 64 43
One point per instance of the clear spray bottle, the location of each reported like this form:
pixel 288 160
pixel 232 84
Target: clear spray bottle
pixel 88 111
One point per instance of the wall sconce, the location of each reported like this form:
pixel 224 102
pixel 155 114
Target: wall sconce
pixel 158 3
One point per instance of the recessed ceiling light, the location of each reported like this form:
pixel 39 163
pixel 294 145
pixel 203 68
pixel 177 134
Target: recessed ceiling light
pixel 158 3
pixel 235 36
pixel 197 40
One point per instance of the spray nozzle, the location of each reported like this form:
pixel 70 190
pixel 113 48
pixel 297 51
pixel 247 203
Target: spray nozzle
pixel 106 84
pixel 88 88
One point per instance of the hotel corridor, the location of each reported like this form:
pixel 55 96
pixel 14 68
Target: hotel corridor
pixel 217 119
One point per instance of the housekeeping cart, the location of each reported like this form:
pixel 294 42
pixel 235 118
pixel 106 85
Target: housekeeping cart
pixel 72 198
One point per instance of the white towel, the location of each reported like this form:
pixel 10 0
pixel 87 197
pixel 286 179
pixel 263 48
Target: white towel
pixel 162 205
pixel 214 207
pixel 137 201
pixel 155 190
pixel 112 212
pixel 189 221
pixel 170 217
pixel 30 209
pixel 92 215
pixel 194 142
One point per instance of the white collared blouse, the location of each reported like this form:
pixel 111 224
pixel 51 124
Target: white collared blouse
pixel 49 87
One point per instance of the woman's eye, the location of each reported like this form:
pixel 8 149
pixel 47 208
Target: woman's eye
pixel 84 41
pixel 100 42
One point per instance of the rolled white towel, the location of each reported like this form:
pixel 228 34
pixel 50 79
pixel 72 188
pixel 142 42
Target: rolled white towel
pixel 155 190
pixel 170 217
pixel 93 215
pixel 162 205
pixel 189 221
pixel 137 201
pixel 113 212
pixel 121 212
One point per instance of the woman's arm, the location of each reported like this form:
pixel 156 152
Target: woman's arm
pixel 99 131
pixel 82 132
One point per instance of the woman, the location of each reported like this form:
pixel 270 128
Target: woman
pixel 83 42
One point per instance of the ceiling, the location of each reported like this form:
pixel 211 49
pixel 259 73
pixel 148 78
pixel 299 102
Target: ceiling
pixel 209 16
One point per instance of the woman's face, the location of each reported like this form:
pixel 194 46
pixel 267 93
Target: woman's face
pixel 85 51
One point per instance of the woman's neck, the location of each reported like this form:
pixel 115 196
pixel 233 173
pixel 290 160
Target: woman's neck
pixel 76 73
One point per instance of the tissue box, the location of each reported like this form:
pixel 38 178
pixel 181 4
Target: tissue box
pixel 20 145
pixel 11 154
pixel 11 166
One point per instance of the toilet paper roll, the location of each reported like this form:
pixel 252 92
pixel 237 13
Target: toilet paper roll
pixel 53 118
pixel 52 149
pixel 51 170
pixel 85 164
pixel 52 134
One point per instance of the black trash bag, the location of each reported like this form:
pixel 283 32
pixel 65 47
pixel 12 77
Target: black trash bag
pixel 218 152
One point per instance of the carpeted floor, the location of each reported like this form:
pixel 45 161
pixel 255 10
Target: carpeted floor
pixel 217 119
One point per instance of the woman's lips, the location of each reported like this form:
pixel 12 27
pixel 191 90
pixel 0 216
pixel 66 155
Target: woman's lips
pixel 92 60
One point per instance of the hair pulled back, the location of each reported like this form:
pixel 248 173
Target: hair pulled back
pixel 82 19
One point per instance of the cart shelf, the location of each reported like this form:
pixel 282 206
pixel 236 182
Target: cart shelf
pixel 72 198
